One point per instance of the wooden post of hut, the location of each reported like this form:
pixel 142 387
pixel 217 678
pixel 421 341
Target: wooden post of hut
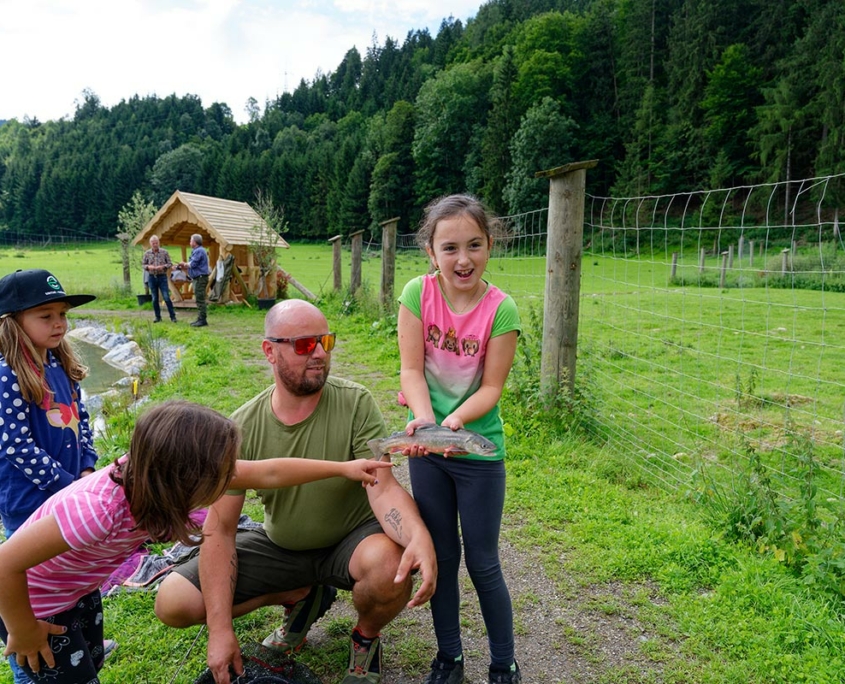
pixel 338 276
pixel 388 262
pixel 564 245
pixel 357 248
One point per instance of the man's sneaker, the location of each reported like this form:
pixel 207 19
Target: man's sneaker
pixel 299 617
pixel 511 676
pixel 445 671
pixel 364 660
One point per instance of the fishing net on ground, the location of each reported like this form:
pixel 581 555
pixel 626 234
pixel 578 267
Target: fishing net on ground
pixel 266 666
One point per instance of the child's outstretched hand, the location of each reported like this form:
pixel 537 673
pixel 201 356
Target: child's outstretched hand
pixel 364 470
pixel 28 646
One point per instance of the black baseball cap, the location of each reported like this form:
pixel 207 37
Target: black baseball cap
pixel 24 290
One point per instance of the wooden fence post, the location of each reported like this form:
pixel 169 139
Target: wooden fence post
pixel 701 257
pixel 723 272
pixel 564 245
pixel 730 257
pixel 784 261
pixel 355 276
pixel 336 271
pixel 751 252
pixel 674 266
pixel 388 262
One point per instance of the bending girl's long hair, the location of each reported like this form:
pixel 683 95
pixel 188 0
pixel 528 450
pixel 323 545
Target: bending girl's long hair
pixel 22 357
pixel 181 458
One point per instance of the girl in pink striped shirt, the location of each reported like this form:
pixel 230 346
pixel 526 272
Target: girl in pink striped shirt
pixel 182 457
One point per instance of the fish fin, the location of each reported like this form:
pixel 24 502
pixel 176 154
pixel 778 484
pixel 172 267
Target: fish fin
pixel 375 445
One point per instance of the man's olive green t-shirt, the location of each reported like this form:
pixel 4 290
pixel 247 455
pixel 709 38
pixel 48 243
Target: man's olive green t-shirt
pixel 317 514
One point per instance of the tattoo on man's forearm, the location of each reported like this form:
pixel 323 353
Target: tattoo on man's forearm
pixel 233 577
pixel 394 519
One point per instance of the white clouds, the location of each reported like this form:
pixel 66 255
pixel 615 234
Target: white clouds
pixel 220 50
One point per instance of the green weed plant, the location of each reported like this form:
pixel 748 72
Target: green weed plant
pixel 806 534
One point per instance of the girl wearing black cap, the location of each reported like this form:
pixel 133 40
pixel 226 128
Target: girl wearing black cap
pixel 45 437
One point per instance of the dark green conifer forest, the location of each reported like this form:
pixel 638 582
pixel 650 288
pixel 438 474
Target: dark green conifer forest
pixel 668 95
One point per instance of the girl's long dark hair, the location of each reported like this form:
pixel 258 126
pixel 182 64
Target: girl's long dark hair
pixel 181 457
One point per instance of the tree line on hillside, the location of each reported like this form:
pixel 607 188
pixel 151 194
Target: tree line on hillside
pixel 668 95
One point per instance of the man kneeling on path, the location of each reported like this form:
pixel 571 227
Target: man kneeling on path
pixel 317 537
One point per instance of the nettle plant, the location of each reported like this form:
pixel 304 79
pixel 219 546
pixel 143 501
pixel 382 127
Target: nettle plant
pixel 805 532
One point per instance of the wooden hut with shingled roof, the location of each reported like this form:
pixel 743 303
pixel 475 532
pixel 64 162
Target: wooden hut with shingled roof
pixel 227 227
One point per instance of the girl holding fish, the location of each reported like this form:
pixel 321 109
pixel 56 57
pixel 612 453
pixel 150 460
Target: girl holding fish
pixel 457 340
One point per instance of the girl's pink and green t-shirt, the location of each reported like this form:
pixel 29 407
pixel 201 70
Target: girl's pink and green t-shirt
pixel 456 347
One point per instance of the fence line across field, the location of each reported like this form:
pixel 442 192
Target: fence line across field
pixel 711 325
pixel 64 239
pixel 715 329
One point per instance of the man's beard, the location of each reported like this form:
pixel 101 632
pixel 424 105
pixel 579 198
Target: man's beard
pixel 302 385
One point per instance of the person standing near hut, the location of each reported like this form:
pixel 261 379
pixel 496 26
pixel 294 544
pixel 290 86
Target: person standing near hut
pixel 157 264
pixel 198 272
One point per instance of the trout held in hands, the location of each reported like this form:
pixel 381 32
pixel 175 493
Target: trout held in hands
pixel 436 439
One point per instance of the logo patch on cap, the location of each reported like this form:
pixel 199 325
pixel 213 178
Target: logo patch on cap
pixel 53 283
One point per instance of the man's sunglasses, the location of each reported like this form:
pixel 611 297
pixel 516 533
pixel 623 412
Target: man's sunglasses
pixel 308 343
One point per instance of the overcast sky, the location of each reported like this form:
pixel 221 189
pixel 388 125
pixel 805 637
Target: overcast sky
pixel 220 50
